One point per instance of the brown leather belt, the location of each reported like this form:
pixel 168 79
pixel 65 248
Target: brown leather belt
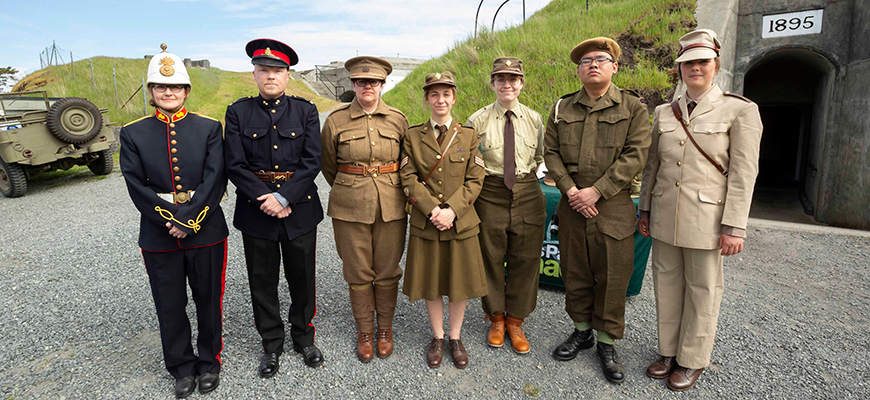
pixel 373 170
pixel 274 176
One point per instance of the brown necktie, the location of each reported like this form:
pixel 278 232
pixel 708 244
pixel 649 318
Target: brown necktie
pixel 443 130
pixel 691 107
pixel 510 164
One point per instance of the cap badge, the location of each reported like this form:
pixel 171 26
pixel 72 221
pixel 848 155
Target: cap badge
pixel 365 69
pixel 268 52
pixel 437 76
pixel 508 63
pixel 603 46
pixel 166 69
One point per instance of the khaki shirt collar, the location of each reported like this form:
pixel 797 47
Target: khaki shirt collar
pixel 356 110
pixel 435 128
pixel 701 97
pixel 499 110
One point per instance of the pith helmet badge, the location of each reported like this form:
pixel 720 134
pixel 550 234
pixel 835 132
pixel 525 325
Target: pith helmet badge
pixel 166 66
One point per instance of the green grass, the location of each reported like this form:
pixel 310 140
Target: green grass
pixel 213 89
pixel 646 30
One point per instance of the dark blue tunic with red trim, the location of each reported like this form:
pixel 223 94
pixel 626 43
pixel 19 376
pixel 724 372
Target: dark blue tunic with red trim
pixel 279 135
pixel 174 157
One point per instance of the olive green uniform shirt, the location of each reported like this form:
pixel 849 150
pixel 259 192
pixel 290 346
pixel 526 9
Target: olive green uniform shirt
pixel 600 143
pixel 528 132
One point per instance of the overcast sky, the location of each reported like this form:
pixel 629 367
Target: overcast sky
pixel 320 31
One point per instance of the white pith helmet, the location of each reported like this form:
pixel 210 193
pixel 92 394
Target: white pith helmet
pixel 168 69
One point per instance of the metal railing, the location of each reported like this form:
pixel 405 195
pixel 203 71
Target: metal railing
pixel 335 90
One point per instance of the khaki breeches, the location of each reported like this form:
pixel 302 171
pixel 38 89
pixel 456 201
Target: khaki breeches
pixel 688 289
pixel 370 253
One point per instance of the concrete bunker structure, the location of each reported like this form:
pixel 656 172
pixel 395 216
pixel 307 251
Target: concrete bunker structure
pixel 805 63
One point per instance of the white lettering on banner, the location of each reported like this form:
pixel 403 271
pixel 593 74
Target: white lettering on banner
pixel 792 24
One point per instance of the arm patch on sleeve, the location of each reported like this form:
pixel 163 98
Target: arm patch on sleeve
pixel 404 162
pixel 479 161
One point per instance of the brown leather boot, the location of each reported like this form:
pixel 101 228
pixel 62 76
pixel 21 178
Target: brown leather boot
pixel 661 368
pixel 364 348
pixel 385 342
pixel 362 302
pixel 435 352
pixel 495 338
pixel 459 354
pixel 515 332
pixel 683 378
pixel 385 304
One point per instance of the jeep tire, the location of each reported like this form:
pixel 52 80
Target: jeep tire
pixel 13 181
pixel 104 163
pixel 74 120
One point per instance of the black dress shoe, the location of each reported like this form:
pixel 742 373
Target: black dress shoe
pixel 311 354
pixel 184 386
pixel 578 340
pixel 269 365
pixel 613 370
pixel 209 381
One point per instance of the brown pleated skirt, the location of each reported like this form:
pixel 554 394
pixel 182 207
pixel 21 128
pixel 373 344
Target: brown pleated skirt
pixel 452 268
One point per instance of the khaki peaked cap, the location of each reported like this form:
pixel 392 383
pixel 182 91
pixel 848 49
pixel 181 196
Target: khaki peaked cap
pixel 367 67
pixel 439 78
pixel 604 44
pixel 507 65
pixel 700 44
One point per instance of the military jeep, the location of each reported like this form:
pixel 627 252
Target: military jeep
pixel 41 134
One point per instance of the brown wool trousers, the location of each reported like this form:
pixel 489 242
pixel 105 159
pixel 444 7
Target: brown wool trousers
pixel 596 267
pixel 370 255
pixel 512 230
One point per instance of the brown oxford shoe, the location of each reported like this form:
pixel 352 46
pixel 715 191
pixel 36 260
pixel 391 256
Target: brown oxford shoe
pixel 460 356
pixel 364 348
pixel 495 338
pixel 683 378
pixel 515 332
pixel 385 342
pixel 435 353
pixel 662 367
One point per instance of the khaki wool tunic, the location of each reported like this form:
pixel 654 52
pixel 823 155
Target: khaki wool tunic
pixel 449 262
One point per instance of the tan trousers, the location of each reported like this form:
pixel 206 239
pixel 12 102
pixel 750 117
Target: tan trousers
pixel 688 289
pixel 512 228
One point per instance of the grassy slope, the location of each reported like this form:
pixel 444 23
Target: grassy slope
pixel 647 30
pixel 213 89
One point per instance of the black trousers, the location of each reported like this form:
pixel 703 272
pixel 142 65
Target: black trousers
pixel 204 268
pixel 263 257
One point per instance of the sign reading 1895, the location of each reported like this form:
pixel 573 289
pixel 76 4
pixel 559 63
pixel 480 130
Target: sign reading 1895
pixel 792 24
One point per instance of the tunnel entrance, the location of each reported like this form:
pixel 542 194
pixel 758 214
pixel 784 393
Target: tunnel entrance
pixel 791 88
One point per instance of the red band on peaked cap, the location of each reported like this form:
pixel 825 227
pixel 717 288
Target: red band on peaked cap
pixel 284 54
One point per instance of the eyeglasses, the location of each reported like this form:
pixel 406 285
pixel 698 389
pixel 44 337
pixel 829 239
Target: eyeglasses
pixel 173 88
pixel 600 60
pixel 363 82
pixel 512 80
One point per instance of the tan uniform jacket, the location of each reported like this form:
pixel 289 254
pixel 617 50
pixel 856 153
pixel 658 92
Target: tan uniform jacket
pixel 688 198
pixel 601 143
pixel 489 123
pixel 350 136
pixel 455 182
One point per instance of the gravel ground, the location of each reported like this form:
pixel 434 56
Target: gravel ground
pixel 79 321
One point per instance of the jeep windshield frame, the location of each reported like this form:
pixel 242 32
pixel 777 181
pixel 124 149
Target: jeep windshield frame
pixel 26 101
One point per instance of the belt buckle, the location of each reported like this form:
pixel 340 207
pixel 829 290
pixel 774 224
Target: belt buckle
pixel 273 176
pixel 372 170
pixel 182 197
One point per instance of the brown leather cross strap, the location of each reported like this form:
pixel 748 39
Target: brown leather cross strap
pixel 274 176
pixel 675 105
pixel 368 170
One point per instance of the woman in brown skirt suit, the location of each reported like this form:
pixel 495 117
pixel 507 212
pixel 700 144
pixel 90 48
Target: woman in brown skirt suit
pixel 442 173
